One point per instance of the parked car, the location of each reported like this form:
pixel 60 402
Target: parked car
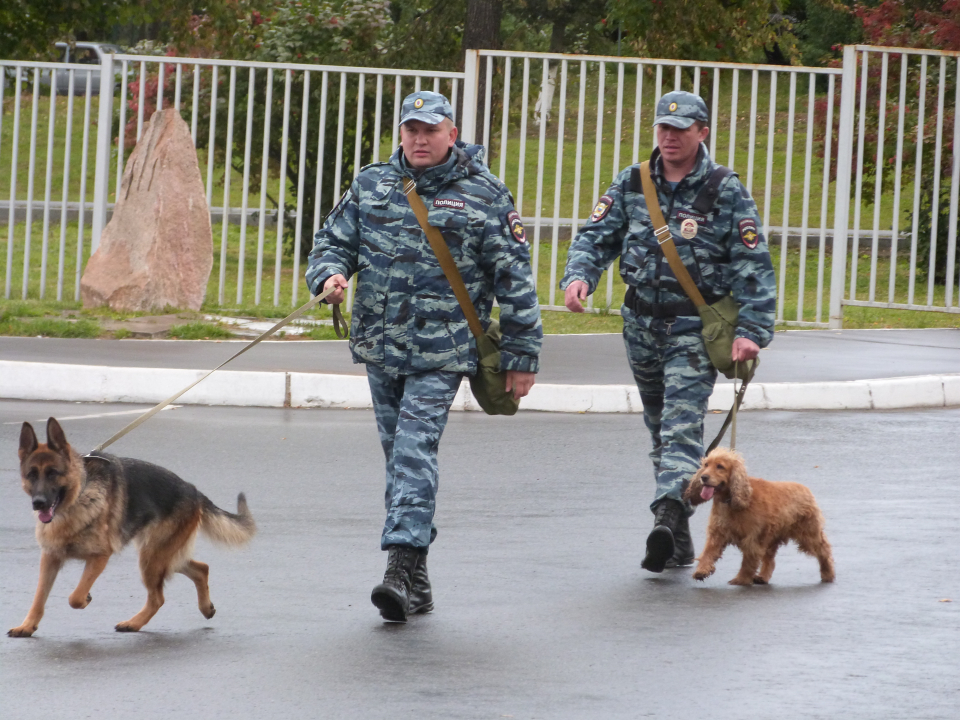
pixel 82 54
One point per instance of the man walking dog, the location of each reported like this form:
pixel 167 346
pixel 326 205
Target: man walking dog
pixel 716 229
pixel 407 326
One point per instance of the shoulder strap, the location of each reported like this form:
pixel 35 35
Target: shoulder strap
pixel 447 263
pixel 665 238
pixel 709 193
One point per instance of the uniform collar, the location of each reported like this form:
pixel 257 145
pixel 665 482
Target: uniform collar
pixel 463 161
pixel 701 168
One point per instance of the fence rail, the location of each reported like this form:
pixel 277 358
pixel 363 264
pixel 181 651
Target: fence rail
pixel 278 143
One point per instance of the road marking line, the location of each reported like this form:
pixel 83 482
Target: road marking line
pixel 98 415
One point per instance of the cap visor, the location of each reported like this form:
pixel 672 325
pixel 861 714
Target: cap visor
pixel 675 120
pixel 423 116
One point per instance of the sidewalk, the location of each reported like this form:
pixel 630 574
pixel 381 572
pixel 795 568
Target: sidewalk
pixel 801 370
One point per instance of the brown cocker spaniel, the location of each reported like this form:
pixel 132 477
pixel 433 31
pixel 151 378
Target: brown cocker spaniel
pixel 757 516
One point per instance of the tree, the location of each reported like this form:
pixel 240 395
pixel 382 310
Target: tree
pixel 482 27
pixel 914 24
pixel 29 28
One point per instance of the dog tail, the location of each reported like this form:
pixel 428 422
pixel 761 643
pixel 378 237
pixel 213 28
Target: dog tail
pixel 226 527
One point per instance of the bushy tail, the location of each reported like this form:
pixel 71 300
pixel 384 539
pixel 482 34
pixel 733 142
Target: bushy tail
pixel 225 527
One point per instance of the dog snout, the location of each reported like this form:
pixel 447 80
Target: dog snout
pixel 43 500
pixel 704 478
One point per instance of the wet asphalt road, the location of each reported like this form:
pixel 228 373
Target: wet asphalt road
pixel 542 610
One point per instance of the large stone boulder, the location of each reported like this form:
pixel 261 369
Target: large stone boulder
pixel 157 249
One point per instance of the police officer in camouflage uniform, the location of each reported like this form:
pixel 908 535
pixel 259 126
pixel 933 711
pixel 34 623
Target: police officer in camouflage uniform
pixel 716 229
pixel 408 327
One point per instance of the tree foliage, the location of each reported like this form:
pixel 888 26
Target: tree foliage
pixel 702 29
pixel 912 24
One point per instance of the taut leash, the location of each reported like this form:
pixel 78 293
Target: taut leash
pixel 731 417
pixel 338 323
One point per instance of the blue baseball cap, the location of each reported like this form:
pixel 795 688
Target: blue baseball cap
pixel 681 109
pixel 426 106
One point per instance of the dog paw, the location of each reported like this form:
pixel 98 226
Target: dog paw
pixel 80 603
pixel 209 612
pixel 759 581
pixel 126 627
pixel 740 581
pixel 22 631
pixel 701 575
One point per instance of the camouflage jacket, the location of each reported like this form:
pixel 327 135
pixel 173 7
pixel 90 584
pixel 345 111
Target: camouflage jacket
pixel 406 318
pixel 724 251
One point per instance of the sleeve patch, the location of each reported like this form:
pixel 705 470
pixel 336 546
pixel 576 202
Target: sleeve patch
pixel 602 208
pixel 516 226
pixel 749 234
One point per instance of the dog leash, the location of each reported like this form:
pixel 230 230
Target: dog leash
pixel 338 325
pixel 731 416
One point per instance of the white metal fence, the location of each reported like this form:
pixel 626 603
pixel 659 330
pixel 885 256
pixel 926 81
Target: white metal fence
pixel 558 128
pixel 904 127
pixel 577 150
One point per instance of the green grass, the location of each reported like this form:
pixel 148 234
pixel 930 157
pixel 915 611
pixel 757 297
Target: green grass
pixel 199 331
pixel 47 327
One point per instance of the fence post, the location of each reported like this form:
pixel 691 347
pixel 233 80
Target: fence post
pixel 841 206
pixel 101 178
pixel 471 84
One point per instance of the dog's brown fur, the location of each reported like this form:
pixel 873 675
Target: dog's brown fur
pixel 756 516
pixel 88 508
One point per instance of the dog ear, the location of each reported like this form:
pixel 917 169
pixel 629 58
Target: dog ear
pixel 56 439
pixel 28 441
pixel 694 487
pixel 739 484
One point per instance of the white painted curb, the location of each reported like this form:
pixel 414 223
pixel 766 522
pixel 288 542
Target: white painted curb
pixel 97 383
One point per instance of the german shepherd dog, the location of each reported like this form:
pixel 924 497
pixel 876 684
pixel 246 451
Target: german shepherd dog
pixel 90 507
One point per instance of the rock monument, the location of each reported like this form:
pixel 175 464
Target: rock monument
pixel 157 249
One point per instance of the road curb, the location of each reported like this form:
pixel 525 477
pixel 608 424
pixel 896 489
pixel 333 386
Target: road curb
pixel 100 383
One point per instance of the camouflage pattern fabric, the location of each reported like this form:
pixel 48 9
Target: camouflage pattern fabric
pixel 725 253
pixel 426 106
pixel 407 325
pixel 681 109
pixel 675 379
pixel 405 316
pixel 411 414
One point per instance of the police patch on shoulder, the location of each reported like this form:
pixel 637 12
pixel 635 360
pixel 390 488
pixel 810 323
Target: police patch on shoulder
pixel 602 208
pixel 448 203
pixel 749 234
pixel 516 226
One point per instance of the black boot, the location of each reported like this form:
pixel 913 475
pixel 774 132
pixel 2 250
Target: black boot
pixel 660 542
pixel 421 596
pixel 392 596
pixel 684 554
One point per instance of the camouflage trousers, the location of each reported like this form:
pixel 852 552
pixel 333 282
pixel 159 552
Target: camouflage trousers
pixel 675 378
pixel 411 414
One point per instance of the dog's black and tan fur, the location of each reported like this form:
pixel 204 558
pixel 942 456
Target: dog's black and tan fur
pixel 88 508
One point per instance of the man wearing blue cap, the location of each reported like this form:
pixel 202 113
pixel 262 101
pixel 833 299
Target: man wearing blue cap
pixel 407 326
pixel 716 229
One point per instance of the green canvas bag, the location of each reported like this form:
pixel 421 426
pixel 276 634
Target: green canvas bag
pixel 720 318
pixel 489 383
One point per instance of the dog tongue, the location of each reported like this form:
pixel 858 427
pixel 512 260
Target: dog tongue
pixel 45 516
pixel 707 492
